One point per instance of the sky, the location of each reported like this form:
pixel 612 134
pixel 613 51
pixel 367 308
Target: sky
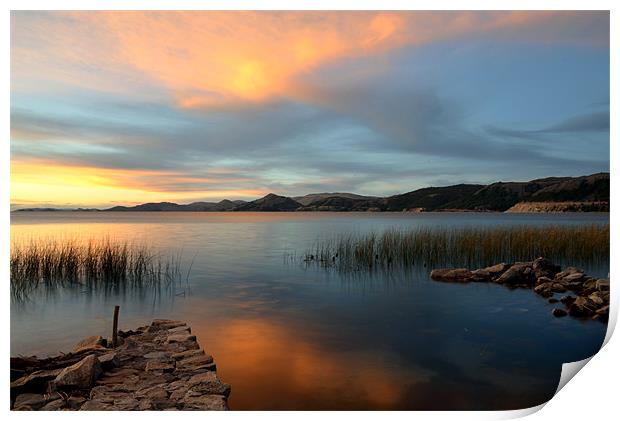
pixel 112 108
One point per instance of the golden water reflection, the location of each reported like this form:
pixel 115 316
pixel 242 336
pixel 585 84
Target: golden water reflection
pixel 271 366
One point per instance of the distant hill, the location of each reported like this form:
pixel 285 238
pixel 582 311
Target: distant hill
pixel 586 193
pixel 318 197
pixel 224 205
pixel 270 203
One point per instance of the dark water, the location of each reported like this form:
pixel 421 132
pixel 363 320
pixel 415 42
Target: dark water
pixel 290 337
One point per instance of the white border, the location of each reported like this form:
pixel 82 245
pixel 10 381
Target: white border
pixel 591 395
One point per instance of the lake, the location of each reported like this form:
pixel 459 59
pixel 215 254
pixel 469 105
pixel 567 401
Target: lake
pixel 288 336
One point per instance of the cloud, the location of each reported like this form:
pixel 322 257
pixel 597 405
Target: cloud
pixel 211 58
pixel 585 123
pixel 203 105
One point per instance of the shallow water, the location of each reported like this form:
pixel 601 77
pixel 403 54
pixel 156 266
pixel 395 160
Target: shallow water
pixel 291 337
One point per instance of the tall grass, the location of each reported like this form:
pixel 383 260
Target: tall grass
pixel 472 247
pixel 93 264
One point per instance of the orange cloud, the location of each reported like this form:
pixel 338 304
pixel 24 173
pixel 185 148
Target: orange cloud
pixel 211 58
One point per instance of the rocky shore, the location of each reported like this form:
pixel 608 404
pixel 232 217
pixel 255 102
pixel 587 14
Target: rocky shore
pixel 581 295
pixel 155 367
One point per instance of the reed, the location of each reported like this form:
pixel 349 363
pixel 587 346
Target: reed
pixel 93 264
pixel 471 247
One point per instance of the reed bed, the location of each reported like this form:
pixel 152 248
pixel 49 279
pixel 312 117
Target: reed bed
pixel 471 247
pixel 92 264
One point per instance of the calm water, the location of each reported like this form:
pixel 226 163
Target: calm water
pixel 289 337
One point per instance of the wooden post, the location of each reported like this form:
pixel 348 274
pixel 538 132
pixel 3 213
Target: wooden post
pixel 115 327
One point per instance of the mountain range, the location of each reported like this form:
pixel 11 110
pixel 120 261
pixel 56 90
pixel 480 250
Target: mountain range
pixel 592 190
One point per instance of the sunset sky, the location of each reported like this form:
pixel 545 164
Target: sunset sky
pixel 128 107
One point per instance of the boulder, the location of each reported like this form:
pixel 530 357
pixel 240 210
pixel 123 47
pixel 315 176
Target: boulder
pixel 55 405
pixel 181 337
pixel 109 361
pixel 481 275
pixel 208 383
pixel 95 405
pixel 602 284
pixel 81 375
pixel 187 354
pixel 498 269
pixel 567 300
pixel 90 342
pixel 582 307
pixel 158 365
pixel 568 271
pixel 546 289
pixel 558 312
pixel 544 267
pixel 29 401
pixel 518 274
pixel 193 401
pixel 35 382
pixel 452 275
pixel 542 280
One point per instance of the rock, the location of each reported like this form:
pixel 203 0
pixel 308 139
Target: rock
pixel 153 393
pixel 542 280
pixel 567 300
pixel 158 355
pixel 544 289
pixel 90 342
pixel 81 375
pixel 518 274
pixel 557 287
pixel 199 360
pixel 33 401
pixel 451 275
pixel 187 354
pixel 55 405
pixel 574 277
pixel 16 374
pixel 94 405
pixel 181 337
pixel 602 284
pixel 208 383
pixel 582 307
pixel 544 268
pixel 596 299
pixel 553 300
pixel 127 403
pixel 109 361
pixel 603 312
pixel 204 402
pixel 155 365
pixel 180 329
pixel 481 275
pixel 163 324
pixel 146 405
pixel 568 271
pixel 35 382
pixel 163 369
pixel 498 269
pixel 75 402
pixel 558 312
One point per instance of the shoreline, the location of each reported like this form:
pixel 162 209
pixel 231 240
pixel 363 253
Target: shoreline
pixel 155 367
pixel 584 297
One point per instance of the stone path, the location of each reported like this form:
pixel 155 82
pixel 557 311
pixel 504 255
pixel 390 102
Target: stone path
pixel 157 367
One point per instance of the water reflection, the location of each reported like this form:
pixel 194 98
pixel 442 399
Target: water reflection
pixel 290 337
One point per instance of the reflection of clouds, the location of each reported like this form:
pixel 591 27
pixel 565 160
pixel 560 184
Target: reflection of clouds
pixel 272 365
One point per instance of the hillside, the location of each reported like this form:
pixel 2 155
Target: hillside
pixel 578 194
pixel 270 203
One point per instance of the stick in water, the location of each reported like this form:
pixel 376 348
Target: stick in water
pixel 115 327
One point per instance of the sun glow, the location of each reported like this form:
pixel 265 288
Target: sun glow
pixel 68 185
